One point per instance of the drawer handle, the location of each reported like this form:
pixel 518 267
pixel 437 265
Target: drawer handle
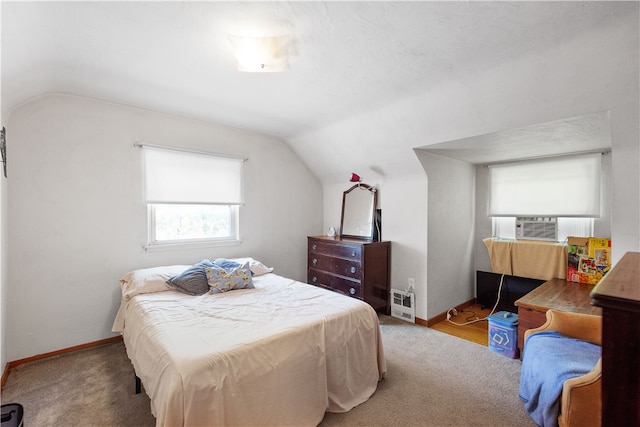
pixel 353 253
pixel 352 291
pixel 314 261
pixel 353 271
pixel 314 279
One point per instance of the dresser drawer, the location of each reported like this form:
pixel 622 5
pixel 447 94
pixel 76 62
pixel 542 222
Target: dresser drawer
pixel 352 267
pixel 335 283
pixel 343 267
pixel 336 249
pixel 528 319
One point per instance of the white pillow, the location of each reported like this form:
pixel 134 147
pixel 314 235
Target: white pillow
pixel 257 268
pixel 148 280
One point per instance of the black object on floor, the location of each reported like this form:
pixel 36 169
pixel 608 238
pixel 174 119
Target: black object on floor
pixel 513 288
pixel 12 415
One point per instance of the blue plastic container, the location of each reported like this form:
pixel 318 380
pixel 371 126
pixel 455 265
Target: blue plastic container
pixel 503 334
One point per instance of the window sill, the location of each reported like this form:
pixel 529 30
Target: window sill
pixel 158 247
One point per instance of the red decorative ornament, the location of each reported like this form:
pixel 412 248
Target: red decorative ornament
pixel 355 177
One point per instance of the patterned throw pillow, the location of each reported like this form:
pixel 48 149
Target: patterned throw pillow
pixel 221 280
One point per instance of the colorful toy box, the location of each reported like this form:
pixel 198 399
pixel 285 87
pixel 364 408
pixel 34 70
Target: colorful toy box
pixel 589 259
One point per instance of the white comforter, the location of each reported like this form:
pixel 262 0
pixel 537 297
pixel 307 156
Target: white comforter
pixel 280 354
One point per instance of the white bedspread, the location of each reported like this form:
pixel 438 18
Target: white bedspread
pixel 280 354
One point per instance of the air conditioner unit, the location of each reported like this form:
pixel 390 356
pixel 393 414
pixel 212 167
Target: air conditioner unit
pixel 402 305
pixel 537 228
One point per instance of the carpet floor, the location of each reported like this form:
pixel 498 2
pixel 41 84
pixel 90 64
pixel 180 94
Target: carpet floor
pixel 433 379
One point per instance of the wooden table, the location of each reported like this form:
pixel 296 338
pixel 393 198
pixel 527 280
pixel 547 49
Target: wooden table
pixel 618 293
pixel 557 294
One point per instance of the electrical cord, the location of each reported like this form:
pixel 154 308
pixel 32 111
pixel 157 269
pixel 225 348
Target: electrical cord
pixel 484 318
pixel 471 315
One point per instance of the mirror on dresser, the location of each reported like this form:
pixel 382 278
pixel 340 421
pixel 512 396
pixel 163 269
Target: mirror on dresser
pixel 359 212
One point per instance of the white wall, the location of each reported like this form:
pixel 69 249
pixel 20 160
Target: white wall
pixel 77 221
pixel 597 71
pixel 403 223
pixel 483 226
pixel 3 257
pixel 451 221
pixel 3 272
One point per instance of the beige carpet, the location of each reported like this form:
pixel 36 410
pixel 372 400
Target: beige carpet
pixel 433 379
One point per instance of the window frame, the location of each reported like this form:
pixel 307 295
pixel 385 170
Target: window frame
pixel 153 244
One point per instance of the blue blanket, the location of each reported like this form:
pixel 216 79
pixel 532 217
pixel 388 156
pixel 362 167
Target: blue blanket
pixel 549 360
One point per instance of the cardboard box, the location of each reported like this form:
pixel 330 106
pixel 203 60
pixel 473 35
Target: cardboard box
pixel 589 259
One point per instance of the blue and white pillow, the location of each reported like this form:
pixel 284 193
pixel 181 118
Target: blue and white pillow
pixel 257 268
pixel 224 280
pixel 226 264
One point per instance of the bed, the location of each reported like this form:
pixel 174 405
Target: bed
pixel 280 353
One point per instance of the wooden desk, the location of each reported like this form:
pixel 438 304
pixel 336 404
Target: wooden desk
pixel 557 294
pixel 618 293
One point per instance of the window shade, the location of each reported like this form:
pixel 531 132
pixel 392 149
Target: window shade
pixel 173 176
pixel 562 186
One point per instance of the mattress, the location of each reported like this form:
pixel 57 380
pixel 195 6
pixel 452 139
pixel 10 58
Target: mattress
pixel 282 353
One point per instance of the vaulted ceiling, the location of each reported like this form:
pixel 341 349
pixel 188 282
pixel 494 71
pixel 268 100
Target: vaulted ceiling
pixel 346 58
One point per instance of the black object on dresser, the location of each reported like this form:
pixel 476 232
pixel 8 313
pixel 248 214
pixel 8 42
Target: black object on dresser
pixel 360 269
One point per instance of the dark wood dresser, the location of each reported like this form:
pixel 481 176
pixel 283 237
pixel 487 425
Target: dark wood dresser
pixel 357 268
pixel 618 293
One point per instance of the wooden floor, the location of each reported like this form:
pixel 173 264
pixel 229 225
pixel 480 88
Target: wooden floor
pixel 476 332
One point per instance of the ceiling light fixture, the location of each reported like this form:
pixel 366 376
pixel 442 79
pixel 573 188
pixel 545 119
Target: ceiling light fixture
pixel 261 54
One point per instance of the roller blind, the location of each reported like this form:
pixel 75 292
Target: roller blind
pixel 174 176
pixel 561 186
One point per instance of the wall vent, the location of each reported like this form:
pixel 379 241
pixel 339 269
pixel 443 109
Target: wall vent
pixel 402 305
pixel 537 228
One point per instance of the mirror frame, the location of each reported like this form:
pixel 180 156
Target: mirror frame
pixel 372 214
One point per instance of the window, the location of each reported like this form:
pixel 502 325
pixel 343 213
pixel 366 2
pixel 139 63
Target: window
pixel 567 187
pixel 192 222
pixel 192 197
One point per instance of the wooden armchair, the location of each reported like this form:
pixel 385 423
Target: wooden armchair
pixel 581 400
